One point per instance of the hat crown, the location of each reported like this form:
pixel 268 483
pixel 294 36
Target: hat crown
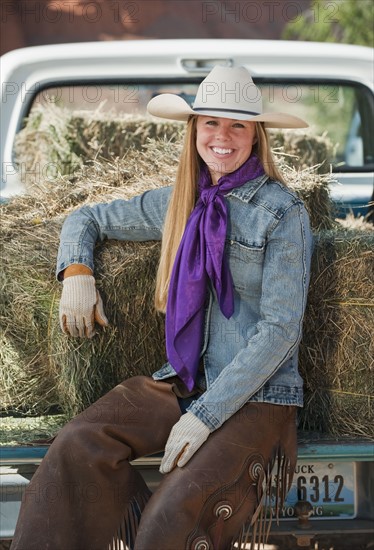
pixel 229 91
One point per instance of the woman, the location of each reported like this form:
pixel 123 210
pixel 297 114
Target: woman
pixel 233 279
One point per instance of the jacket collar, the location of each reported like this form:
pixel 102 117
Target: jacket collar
pixel 248 190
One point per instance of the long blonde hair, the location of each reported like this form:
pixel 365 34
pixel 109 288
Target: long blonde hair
pixel 184 196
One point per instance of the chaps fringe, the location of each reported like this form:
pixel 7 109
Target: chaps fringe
pixel 125 536
pixel 272 490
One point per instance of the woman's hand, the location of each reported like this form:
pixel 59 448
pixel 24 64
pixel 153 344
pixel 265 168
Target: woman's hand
pixel 185 438
pixel 80 306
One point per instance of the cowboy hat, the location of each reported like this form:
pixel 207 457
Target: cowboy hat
pixel 227 92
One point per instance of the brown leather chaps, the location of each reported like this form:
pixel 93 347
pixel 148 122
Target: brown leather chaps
pixel 86 495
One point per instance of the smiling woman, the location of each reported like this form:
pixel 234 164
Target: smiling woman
pixel 223 407
pixel 224 144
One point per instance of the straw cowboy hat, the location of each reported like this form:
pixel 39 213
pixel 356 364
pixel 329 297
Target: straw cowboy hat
pixel 227 92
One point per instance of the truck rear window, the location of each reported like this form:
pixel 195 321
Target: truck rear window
pixel 343 112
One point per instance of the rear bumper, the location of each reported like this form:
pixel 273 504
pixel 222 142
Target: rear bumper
pixel 18 464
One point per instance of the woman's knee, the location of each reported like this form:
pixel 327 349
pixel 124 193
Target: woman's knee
pixel 72 442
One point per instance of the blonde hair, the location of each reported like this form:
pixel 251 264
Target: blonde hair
pixel 263 151
pixel 183 200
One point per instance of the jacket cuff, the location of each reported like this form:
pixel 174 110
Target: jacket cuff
pixel 75 269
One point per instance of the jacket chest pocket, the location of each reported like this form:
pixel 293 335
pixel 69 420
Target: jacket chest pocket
pixel 246 264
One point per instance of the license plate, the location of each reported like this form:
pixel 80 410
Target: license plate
pixel 328 486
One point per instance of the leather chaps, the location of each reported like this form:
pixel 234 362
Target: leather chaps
pixel 86 495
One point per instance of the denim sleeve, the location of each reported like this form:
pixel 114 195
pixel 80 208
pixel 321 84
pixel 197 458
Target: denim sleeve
pixel 284 292
pixel 138 219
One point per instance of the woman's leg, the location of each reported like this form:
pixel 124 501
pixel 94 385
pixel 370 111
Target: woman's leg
pixel 205 504
pixel 85 489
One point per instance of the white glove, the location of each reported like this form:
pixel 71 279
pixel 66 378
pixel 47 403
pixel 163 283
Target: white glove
pixel 185 438
pixel 80 306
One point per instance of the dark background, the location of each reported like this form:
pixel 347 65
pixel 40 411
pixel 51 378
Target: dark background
pixel 34 22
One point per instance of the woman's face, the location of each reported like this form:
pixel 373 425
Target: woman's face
pixel 224 144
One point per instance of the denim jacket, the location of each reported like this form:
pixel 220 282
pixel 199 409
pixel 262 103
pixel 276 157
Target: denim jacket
pixel 253 355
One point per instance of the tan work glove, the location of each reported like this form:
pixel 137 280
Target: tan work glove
pixel 80 306
pixel 185 438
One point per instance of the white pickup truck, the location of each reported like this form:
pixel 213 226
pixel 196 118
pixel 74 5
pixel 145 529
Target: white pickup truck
pixel 329 85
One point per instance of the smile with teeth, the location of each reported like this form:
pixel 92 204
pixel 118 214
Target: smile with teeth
pixel 220 151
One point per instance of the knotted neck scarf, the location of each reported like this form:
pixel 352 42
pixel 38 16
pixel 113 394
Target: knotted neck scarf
pixel 201 256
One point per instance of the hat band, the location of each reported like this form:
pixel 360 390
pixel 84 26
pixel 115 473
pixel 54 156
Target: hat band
pixel 225 110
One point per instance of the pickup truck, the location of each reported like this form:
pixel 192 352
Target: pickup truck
pixel 329 85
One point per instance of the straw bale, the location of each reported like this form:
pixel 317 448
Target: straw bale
pixel 305 150
pixel 15 430
pixel 69 144
pixel 337 350
pixel 56 141
pixel 41 369
pixel 43 148
pixel 108 136
pixel 56 371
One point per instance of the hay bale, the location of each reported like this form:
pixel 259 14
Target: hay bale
pixel 46 370
pixel 96 134
pixel 304 150
pixel 56 141
pixel 42 369
pixel 29 298
pixel 43 148
pixel 132 344
pixel 128 148
pixel 337 349
pixel 29 430
pixel 313 189
pixel 63 141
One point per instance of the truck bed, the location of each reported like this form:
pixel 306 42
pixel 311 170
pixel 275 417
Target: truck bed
pixel 25 441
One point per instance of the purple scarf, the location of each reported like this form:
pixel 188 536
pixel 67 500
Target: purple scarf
pixel 201 255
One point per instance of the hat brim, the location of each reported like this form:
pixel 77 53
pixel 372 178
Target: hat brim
pixel 173 107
